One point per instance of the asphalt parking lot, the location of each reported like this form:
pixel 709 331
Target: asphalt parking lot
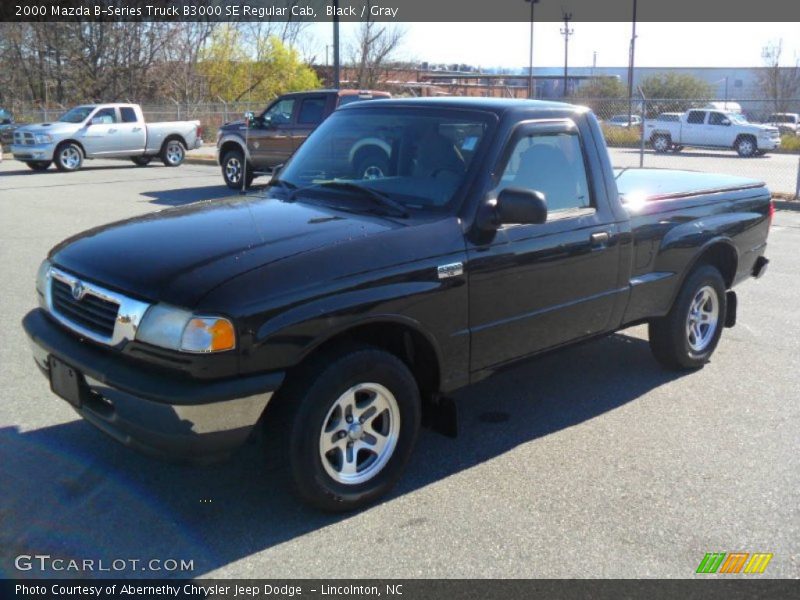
pixel 591 462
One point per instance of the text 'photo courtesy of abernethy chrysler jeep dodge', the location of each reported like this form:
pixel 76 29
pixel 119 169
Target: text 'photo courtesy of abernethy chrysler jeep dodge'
pixel 338 308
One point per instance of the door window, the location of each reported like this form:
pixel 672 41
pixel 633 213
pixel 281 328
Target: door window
pixel 311 111
pixel 128 114
pixel 105 116
pixel 553 164
pixel 280 113
pixel 696 117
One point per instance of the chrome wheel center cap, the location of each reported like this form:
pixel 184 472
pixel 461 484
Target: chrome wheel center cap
pixel 354 431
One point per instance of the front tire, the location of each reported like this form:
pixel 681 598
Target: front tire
pixel 39 165
pixel 746 147
pixel 233 166
pixel 687 337
pixel 173 153
pixel 350 422
pixel 68 157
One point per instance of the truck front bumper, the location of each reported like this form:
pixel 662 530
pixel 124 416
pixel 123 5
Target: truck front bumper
pixel 145 408
pixel 26 153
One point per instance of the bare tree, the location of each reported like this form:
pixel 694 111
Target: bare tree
pixel 780 84
pixel 372 51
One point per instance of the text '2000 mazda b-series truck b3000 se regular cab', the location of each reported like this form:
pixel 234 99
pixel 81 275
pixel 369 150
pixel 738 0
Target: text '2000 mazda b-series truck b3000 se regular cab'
pixel 338 308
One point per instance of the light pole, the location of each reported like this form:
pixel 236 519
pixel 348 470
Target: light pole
pixel 336 77
pixel 566 32
pixel 630 64
pixel 531 87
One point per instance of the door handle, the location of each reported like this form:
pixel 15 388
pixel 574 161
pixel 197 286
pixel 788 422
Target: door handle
pixel 112 130
pixel 135 129
pixel 600 239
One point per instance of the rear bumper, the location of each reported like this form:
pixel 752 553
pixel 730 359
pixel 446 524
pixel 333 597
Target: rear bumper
pixel 154 411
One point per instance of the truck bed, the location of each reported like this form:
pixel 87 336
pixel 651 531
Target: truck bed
pixel 637 185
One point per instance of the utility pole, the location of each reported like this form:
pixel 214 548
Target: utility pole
pixel 336 74
pixel 531 86
pixel 566 32
pixel 631 64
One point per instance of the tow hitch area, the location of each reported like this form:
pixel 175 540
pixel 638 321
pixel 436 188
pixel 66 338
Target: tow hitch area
pixel 760 267
pixel 731 303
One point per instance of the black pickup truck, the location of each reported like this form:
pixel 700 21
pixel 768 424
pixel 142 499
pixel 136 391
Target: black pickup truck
pixel 336 311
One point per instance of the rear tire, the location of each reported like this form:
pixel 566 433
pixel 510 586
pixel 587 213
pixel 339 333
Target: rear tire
pixel 340 464
pixel 661 143
pixel 688 335
pixel 141 161
pixel 39 165
pixel 68 157
pixel 232 167
pixel 173 153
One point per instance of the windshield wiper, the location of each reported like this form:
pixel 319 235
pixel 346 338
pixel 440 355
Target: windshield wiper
pixel 373 195
pixel 288 185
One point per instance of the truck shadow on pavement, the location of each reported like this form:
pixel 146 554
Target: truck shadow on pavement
pixel 71 492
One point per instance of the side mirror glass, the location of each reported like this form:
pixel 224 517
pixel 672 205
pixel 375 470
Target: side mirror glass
pixel 249 117
pixel 519 205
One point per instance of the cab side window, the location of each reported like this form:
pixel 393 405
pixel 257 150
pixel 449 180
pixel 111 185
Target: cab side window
pixel 106 116
pixel 311 111
pixel 696 117
pixel 128 114
pixel 716 118
pixel 553 164
pixel 281 113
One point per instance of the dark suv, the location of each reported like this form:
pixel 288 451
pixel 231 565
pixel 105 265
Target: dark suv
pixel 258 144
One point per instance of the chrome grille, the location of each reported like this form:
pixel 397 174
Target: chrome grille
pixel 24 138
pixel 92 312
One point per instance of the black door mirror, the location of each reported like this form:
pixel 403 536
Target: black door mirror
pixel 520 205
pixel 6 122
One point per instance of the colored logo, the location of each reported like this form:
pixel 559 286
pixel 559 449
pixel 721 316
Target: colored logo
pixel 734 562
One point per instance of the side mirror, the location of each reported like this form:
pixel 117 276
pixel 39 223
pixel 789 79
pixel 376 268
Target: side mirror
pixel 726 122
pixel 96 121
pixel 6 122
pixel 249 117
pixel 519 205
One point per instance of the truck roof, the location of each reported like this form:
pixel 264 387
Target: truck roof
pixel 336 92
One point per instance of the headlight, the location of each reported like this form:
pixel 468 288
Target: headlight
pixel 43 138
pixel 178 329
pixel 42 279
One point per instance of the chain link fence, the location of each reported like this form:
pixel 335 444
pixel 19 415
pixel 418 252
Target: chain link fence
pixel 630 144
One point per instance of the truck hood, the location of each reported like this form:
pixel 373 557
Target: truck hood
pixel 179 255
pixel 56 128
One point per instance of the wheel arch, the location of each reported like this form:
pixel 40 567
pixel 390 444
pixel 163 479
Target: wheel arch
pixel 401 336
pixel 69 141
pixel 171 137
pixel 230 143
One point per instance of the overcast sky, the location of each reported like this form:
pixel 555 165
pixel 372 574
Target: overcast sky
pixel 657 44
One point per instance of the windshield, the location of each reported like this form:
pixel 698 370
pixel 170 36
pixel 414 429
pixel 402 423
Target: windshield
pixel 417 158
pixel 77 115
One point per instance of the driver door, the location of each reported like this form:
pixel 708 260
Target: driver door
pixel 270 142
pixel 536 286
pixel 99 136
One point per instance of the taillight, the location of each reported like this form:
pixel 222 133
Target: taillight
pixel 771 211
pixel 200 131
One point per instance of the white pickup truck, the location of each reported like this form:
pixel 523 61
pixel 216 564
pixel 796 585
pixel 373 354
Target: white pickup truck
pixel 104 131
pixel 708 128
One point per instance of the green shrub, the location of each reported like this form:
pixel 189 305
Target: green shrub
pixel 789 143
pixel 621 137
